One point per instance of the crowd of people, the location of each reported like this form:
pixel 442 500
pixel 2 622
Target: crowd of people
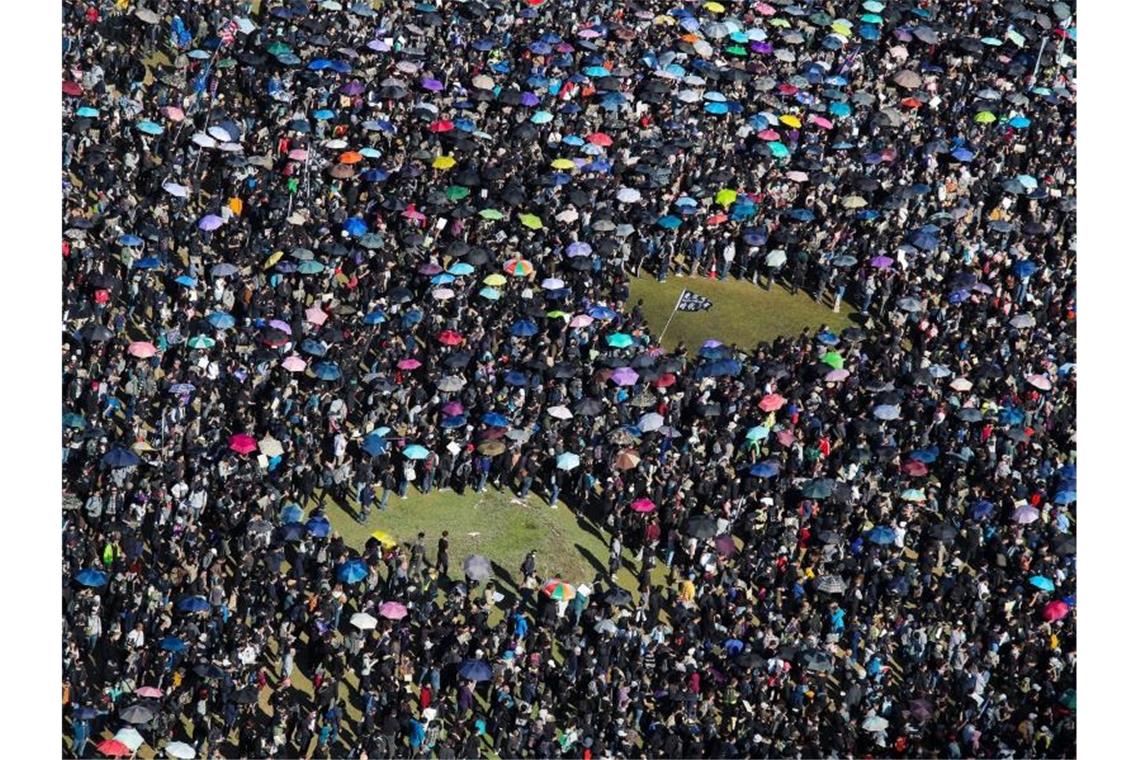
pixel 319 256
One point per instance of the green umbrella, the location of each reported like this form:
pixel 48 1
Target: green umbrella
pixel 832 359
pixel 531 221
pixel 226 63
pixel 619 340
pixel 985 117
pixel 490 213
pixel 277 47
pixel 725 197
pixel 456 192
pixel 201 341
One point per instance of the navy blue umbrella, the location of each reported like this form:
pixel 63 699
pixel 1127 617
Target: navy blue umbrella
pixel 764 470
pixel 374 445
pixel 172 644
pixel 85 713
pixel 327 371
pixel 523 328
pixel 515 378
pixel 474 670
pixel 293 532
pixel 1024 269
pixel 120 457
pixel 91 577
pixel 318 526
pixel 316 348
pixel 455 421
pixel 981 510
pixel 193 604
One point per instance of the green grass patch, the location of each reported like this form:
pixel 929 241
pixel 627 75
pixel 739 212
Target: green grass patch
pixel 742 313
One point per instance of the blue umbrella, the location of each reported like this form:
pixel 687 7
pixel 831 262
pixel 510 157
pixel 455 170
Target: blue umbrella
pixel 310 267
pixel 318 526
pixel 327 371
pixel 172 644
pixel 494 419
pixel 567 461
pixel 800 215
pixel 460 268
pixel 415 451
pixel 120 457
pixel 601 312
pixel 323 114
pixel 130 240
pixel 85 713
pixel 193 604
pixel 926 456
pixel 1024 269
pixel 881 535
pixel 374 445
pixel 316 348
pixel 292 513
pixel 963 154
pixel 293 532
pixel 356 226
pixel 150 262
pixel 91 577
pixel 1064 498
pixel 669 222
pixel 186 280
pixel 374 318
pixel 443 278
pixel 1043 583
pixel 455 421
pixel 221 320
pixel 352 571
pixel 517 379
pixel 474 670
pixel 981 510
pixel 523 328
pixel 75 421
pixel 148 128
pixel 764 470
pixel 723 368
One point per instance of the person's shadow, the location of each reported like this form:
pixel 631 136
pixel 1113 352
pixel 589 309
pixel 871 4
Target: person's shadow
pixel 594 562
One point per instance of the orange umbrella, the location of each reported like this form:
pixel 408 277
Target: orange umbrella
pixel 351 157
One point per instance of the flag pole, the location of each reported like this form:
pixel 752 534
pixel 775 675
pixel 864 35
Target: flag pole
pixel 661 338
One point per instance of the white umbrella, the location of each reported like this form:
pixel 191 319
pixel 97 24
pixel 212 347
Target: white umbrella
pixel 567 215
pixel 776 258
pixel 875 723
pixel 363 621
pixel 177 190
pixel 130 737
pixel 650 422
pixel 961 384
pixel 147 16
pixel 270 446
pixel 628 195
pixel 1040 382
pixel 559 412
pixel 483 82
pixel 181 750
pixel 203 140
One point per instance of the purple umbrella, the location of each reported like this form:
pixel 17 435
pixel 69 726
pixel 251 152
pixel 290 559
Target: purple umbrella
pixel 624 376
pixel 430 268
pixel 578 249
pixel 882 262
pixel 210 222
pixel 433 85
pixel 282 326
pixel 352 88
pixel 529 99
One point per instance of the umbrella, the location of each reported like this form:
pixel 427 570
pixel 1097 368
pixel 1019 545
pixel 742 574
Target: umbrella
pixel 180 750
pixel 474 670
pixel 242 443
pixel 831 584
pixel 393 611
pixel 353 571
pixel 875 723
pixel 114 748
pixel 818 489
pixel 881 535
pixel 194 604
pixel 363 621
pixel 172 644
pixel 1055 610
pixel 567 461
pixel 1043 583
pixel 119 457
pixel 618 597
pixel 137 713
pixel 701 527
pixel 477 567
pixel 643 505
pixel 415 451
pixel 91 577
pixel 605 626
pixel 558 589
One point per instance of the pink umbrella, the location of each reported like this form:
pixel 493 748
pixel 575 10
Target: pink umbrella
pixel 299 154
pixel 408 363
pixel 452 408
pixel 837 375
pixel 149 692
pixel 764 9
pixel 1055 610
pixel 915 468
pixel 393 611
pixel 294 363
pixel 624 376
pixel 242 443
pixel 822 122
pixel 1040 382
pixel 643 505
pixel 581 320
pixel 768 134
pixel 142 349
pixel 785 437
pixel 174 113
pixel 772 402
pixel 961 384
pixel 725 545
pixel 316 315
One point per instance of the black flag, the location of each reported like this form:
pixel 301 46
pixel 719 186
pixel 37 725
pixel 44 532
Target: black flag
pixel 690 301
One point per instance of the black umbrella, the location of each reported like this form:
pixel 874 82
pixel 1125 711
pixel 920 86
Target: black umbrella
pixel 618 597
pixel 588 407
pixel 246 696
pixel 701 526
pixel 942 532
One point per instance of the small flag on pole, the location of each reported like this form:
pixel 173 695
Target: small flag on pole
pixel 690 301
pixel 228 31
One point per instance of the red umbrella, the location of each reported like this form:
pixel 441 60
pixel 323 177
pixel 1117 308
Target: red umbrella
pixel 914 468
pixel 242 443
pixel 643 505
pixel 441 125
pixel 772 402
pixel 450 338
pixel 1055 610
pixel 665 380
pixel 600 138
pixel 72 89
pixel 113 748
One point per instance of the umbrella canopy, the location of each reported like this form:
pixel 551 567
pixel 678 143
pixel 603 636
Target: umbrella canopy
pixel 474 670
pixel 477 567
pixel 558 589
pixel 393 611
pixel 363 621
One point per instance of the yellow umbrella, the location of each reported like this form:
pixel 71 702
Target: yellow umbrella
pixel 274 258
pixel 443 162
pixel 385 539
pixel 531 221
pixel 841 28
pixel 494 280
pixel 725 197
pixel 985 117
pixel 780 22
pixel 714 7
pixel 562 163
pixel 557 314
pixel 791 121
pixel 664 20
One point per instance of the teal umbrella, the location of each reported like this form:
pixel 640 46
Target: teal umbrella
pixel 415 451
pixel 619 340
pixel 567 461
pixel 200 341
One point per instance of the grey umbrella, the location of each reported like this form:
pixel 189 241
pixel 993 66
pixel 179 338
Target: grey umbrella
pixel 831 584
pixel 137 714
pixel 477 567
